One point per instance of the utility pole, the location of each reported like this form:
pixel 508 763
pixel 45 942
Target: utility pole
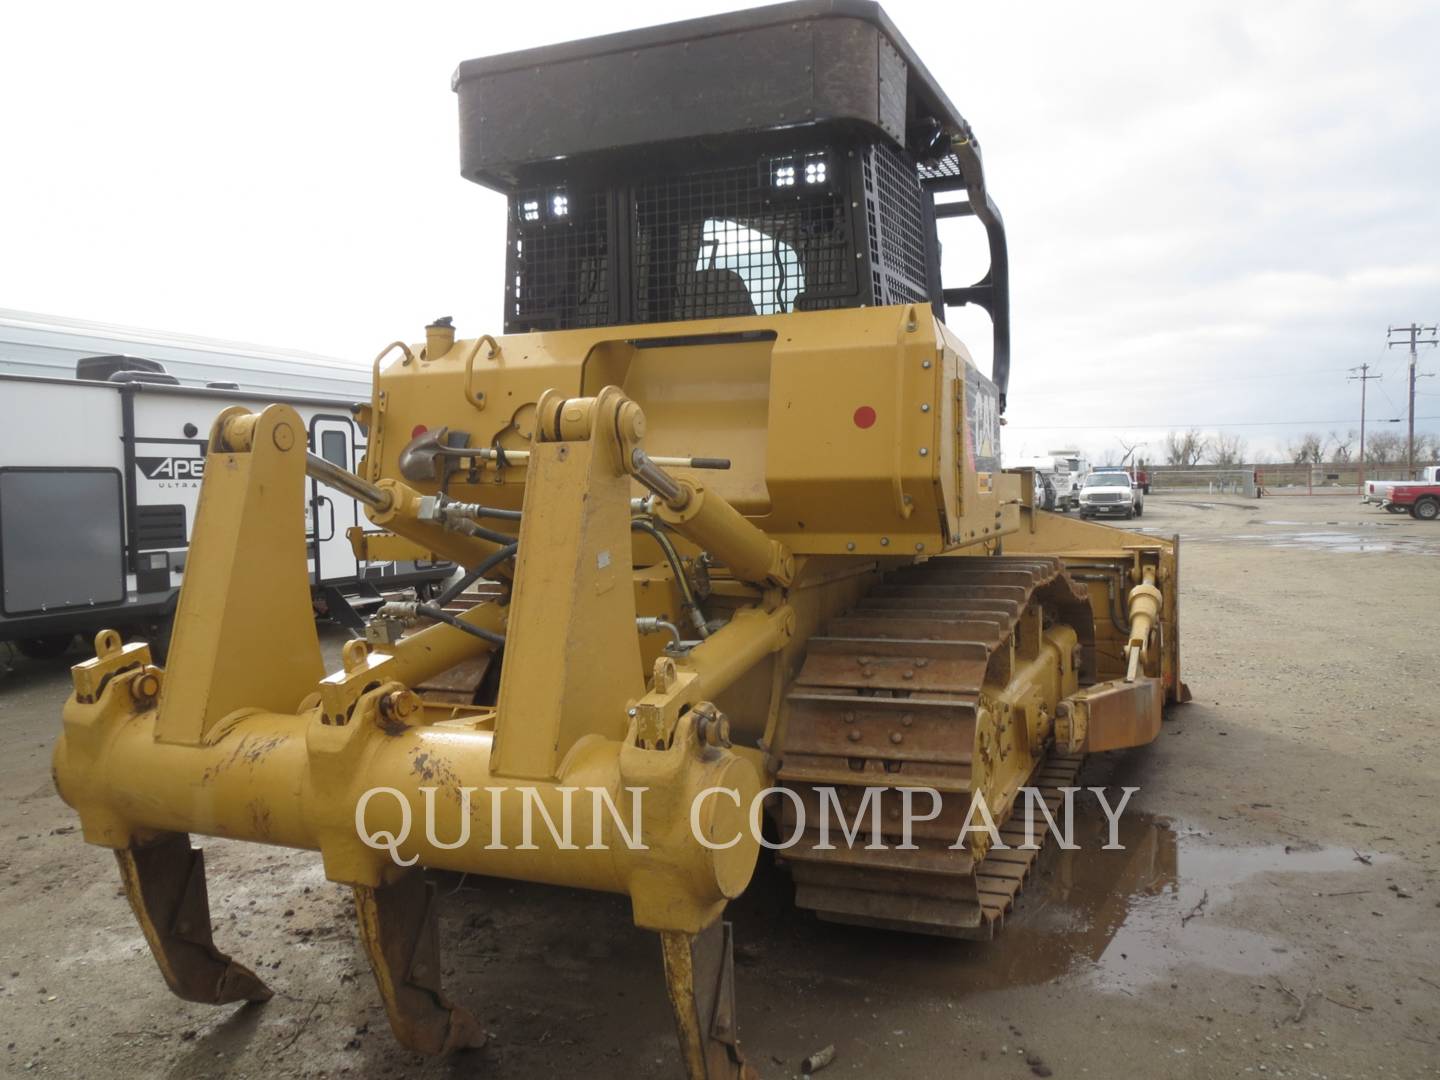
pixel 1416 338
pixel 1363 378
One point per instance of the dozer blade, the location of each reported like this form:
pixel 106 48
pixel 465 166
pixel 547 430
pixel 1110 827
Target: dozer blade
pixel 399 929
pixel 700 979
pixel 165 884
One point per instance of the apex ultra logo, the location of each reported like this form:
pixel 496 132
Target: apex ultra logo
pixel 172 468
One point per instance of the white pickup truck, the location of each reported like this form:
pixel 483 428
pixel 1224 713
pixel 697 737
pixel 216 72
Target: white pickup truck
pixel 1378 491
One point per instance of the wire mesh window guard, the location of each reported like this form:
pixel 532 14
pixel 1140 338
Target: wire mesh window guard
pixel 768 268
pixel 755 239
pixel 947 167
pixel 559 267
pixel 763 237
pixel 896 227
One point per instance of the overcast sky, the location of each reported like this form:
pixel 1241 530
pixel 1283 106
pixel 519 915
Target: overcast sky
pixel 1214 210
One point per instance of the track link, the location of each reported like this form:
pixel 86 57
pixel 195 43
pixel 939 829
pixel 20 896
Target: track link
pixel 889 697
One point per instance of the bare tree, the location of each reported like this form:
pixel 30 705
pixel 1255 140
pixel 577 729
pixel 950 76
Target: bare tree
pixel 1227 451
pixel 1342 447
pixel 1308 449
pixel 1384 447
pixel 1185 447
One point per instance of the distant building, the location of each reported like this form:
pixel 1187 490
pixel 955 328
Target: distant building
pixel 49 345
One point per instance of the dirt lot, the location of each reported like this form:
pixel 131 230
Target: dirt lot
pixel 1276 911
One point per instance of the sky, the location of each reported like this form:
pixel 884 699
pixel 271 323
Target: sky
pixel 1214 209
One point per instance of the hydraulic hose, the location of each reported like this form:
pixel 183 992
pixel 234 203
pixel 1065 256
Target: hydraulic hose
pixel 471 529
pixel 439 614
pixel 476 574
pixel 687 593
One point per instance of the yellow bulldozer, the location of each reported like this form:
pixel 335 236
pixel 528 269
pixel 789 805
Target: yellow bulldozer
pixel 736 557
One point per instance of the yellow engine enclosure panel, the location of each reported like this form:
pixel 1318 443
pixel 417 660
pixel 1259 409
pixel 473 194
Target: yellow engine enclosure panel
pixel 848 431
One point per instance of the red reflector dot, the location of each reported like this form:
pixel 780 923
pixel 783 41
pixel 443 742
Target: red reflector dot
pixel 418 430
pixel 864 417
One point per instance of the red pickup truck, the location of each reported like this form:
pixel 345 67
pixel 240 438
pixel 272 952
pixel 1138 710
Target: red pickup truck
pixel 1422 500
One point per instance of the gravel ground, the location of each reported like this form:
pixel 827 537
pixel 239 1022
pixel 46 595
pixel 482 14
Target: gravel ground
pixel 1276 910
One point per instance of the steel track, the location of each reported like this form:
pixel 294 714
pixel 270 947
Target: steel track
pixel 888 697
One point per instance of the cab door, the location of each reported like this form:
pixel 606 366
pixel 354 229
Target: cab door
pixel 332 512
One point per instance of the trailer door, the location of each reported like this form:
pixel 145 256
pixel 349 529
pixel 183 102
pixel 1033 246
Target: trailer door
pixel 333 512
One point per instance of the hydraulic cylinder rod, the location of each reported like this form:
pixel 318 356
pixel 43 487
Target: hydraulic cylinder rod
pixel 357 487
pixel 1145 601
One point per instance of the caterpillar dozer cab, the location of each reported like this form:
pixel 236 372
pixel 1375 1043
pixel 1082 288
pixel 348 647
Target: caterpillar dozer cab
pixel 733 491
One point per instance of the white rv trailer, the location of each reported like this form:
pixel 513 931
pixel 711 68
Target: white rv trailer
pixel 99 480
pixel 1047 494
pixel 1065 470
pixel 50 345
pixel 1071 468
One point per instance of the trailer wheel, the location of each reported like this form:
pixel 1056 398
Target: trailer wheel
pixel 1426 509
pixel 45 648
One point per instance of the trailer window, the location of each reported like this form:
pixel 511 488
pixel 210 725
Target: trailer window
pixel 334 448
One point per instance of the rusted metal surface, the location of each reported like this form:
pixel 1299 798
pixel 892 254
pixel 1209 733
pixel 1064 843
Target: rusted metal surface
pixel 164 881
pixel 398 929
pixel 481 592
pixel 889 697
pixel 1122 714
pixel 458 685
pixel 931 728
pixel 700 981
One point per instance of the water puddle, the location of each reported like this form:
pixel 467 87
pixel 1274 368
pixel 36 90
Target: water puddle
pixel 1184 920
pixel 1345 542
pixel 1116 920
pixel 1346 524
pixel 1347 537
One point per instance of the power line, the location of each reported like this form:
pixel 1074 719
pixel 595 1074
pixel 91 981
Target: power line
pixel 1388 399
pixel 1363 378
pixel 1415 332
